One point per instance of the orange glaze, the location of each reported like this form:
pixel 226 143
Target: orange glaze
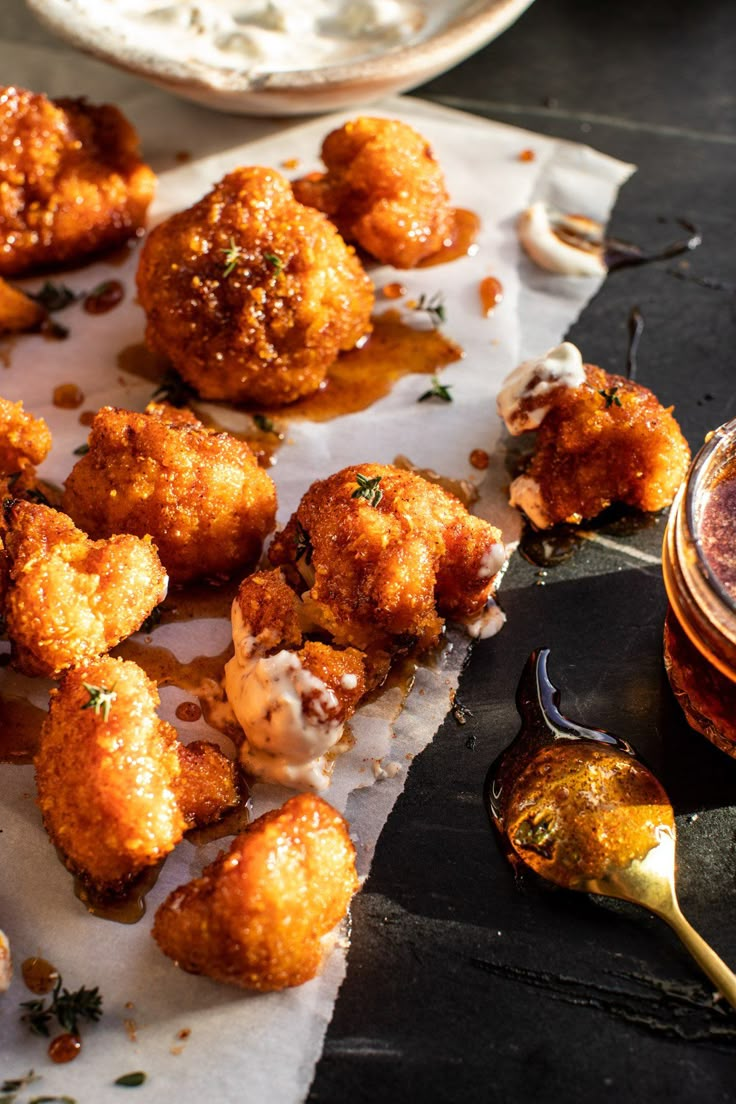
pixel 64 1048
pixel 460 242
pixel 67 396
pixel 491 294
pixel 39 975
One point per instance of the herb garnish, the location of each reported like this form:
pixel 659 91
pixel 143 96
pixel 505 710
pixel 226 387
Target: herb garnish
pixel 68 1008
pixel 100 700
pixel 275 261
pixel 28 494
pixel 173 390
pixel 232 255
pixel 54 297
pixel 611 397
pixel 81 450
pixel 131 1080
pixel 368 489
pixel 434 307
pixel 15 1084
pixel 153 619
pixel 265 424
pixel 437 391
pixel 303 544
pixel 52 1100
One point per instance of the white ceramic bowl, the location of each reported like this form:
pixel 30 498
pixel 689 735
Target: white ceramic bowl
pixel 453 30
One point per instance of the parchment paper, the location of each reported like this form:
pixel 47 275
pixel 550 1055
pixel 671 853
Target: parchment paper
pixel 242 1047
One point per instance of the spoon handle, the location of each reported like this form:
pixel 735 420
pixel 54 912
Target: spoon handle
pixel 707 959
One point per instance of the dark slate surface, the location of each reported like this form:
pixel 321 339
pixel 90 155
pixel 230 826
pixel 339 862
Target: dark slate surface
pixel 463 983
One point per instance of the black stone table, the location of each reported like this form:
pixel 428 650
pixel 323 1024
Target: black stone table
pixel 464 984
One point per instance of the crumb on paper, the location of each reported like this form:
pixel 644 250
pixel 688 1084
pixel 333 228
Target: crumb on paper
pixel 385 768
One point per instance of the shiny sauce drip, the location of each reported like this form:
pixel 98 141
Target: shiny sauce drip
pixel 104 298
pixel 571 802
pixel 160 664
pixel 126 907
pixel 491 294
pixel 67 396
pixel 460 242
pixel 39 975
pixel 64 1048
pixel 20 729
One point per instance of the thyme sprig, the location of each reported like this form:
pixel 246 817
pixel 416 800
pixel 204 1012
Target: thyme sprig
pixel 434 307
pixel 438 390
pixel 611 397
pixel 275 261
pixel 368 489
pixel 100 699
pixel 55 297
pixel 303 544
pixel 232 256
pixel 67 1007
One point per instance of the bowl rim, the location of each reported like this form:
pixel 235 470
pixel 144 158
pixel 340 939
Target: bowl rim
pixel 463 34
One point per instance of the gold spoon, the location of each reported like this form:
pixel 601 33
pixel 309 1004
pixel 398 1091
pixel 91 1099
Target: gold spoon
pixel 577 806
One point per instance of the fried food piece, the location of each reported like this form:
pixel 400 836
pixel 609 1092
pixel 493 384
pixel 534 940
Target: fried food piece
pixel 388 556
pixel 257 916
pixel 23 439
pixel 291 697
pixel 383 189
pixel 200 495
pixel 111 775
pixel 601 439
pixel 251 295
pixel 71 180
pixel 18 312
pixel 70 598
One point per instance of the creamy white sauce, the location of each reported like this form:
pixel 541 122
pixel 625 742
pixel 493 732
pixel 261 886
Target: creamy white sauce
pixel 487 623
pixel 526 494
pixel 570 245
pixel 262 35
pixel 285 711
pixel 536 380
pixel 492 561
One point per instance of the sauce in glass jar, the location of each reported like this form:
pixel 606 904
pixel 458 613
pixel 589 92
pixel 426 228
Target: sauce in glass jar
pixel 699 563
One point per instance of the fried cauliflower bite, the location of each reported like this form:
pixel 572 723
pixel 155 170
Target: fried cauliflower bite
pixel 383 189
pixel 71 181
pixel 70 598
pixel 23 439
pixel 291 697
pixel 601 439
pixel 112 776
pixel 251 295
pixel 388 556
pixel 258 915
pixel 200 495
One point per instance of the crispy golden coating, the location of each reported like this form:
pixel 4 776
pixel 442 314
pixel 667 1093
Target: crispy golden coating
pixel 70 598
pixel 23 438
pixel 207 785
pixel 383 189
pixel 200 495
pixel 251 295
pixel 110 773
pixel 386 574
pixel 257 916
pixel 607 441
pixel 18 312
pixel 71 180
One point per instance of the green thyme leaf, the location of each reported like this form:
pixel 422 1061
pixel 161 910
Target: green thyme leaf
pixel 303 544
pixel 368 489
pixel 15 1084
pixel 264 423
pixel 131 1080
pixel 275 261
pixel 54 297
pixel 100 700
pixel 437 391
pixel 153 619
pixel 81 450
pixel 611 397
pixel 434 307
pixel 232 256
pixel 173 390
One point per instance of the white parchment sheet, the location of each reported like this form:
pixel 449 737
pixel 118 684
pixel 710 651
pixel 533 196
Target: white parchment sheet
pixel 241 1047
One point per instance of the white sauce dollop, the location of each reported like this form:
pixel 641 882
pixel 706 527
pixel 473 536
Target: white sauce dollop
pixel 571 245
pixel 260 36
pixel 526 494
pixel 536 380
pixel 284 742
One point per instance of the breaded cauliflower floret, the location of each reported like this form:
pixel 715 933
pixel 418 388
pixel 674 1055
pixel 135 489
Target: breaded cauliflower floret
pixel 111 775
pixel 23 439
pixel 388 556
pixel 291 697
pixel 200 495
pixel 383 189
pixel 258 915
pixel 70 598
pixel 71 180
pixel 600 439
pixel 251 295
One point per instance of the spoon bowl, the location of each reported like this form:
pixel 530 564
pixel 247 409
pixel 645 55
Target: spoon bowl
pixel 577 806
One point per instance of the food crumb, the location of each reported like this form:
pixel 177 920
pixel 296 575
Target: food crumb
pixel 393 291
pixel 290 163
pixel 479 459
pixel 385 768
pixel 527 155
pixel 131 1030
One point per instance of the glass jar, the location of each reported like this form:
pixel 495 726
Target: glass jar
pixel 699 565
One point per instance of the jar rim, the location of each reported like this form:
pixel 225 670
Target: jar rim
pixel 719 448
